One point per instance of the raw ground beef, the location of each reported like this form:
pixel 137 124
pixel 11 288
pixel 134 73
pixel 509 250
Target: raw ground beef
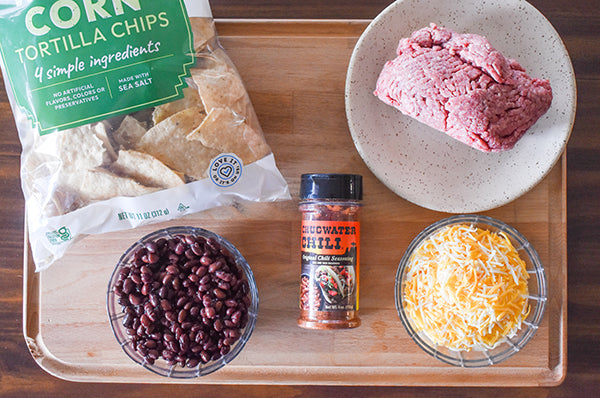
pixel 459 84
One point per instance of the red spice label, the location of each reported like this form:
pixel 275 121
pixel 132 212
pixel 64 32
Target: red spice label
pixel 330 237
pixel 330 261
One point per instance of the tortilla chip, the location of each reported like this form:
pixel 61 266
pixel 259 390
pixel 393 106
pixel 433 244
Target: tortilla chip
pixel 129 132
pixel 167 142
pixel 79 147
pixel 204 30
pixel 219 88
pixel 227 132
pixel 191 99
pixel 100 131
pixel 38 171
pixel 100 184
pixel 146 169
pixel 62 201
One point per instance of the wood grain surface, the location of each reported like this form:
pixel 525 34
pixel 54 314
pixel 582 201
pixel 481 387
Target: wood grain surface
pixel 307 131
pixel 577 21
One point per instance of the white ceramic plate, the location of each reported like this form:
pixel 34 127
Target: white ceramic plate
pixel 426 166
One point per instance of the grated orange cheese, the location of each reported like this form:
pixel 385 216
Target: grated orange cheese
pixel 466 288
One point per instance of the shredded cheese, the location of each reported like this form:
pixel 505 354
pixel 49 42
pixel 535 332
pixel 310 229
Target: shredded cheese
pixel 466 288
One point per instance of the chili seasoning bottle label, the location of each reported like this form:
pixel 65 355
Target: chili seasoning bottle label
pixel 330 265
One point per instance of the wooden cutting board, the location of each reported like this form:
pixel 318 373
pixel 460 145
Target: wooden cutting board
pixel 295 73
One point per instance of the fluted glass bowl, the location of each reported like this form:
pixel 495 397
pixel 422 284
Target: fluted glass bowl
pixel 537 297
pixel 117 314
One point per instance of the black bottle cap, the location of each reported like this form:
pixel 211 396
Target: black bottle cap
pixel 331 186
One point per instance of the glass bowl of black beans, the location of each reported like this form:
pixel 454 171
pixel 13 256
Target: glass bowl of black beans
pixel 182 302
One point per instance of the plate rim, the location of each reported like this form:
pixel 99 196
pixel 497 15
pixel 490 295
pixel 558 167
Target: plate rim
pixel 533 182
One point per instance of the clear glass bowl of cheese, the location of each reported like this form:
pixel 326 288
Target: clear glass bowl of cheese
pixel 471 290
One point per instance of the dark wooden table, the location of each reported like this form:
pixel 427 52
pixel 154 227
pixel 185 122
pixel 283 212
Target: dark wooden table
pixel 577 21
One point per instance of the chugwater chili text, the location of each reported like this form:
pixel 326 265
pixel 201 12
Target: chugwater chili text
pixel 330 242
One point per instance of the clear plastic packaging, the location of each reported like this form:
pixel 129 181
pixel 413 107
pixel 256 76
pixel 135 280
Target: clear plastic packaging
pixel 160 162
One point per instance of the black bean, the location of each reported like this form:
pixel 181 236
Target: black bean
pixel 173 346
pixel 182 315
pixel 150 329
pixel 206 260
pixel 144 269
pixel 209 312
pixel 153 354
pixel 154 301
pixel 128 320
pixel 172 270
pixel 203 288
pixel 168 354
pixel 231 303
pixel 236 317
pixel 135 299
pixel 145 321
pixel 128 286
pixel 201 271
pixel 194 311
pixel 179 248
pixel 220 294
pixel 215 267
pixel 184 341
pixel 163 292
pixel 150 343
pixel 178 330
pixel 186 325
pixel 151 247
pixel 181 301
pixel 205 356
pixel 177 284
pixel 184 299
pixel 168 337
pixel 147 278
pixel 171 316
pixel 197 249
pixel 153 258
pixel 123 273
pixel 189 254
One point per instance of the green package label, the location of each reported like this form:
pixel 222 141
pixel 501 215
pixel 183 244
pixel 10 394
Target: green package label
pixel 73 62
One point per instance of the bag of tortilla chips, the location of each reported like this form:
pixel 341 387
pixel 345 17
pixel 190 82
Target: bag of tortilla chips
pixel 129 112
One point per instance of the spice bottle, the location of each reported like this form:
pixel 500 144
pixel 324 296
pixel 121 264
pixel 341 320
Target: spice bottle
pixel 330 244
